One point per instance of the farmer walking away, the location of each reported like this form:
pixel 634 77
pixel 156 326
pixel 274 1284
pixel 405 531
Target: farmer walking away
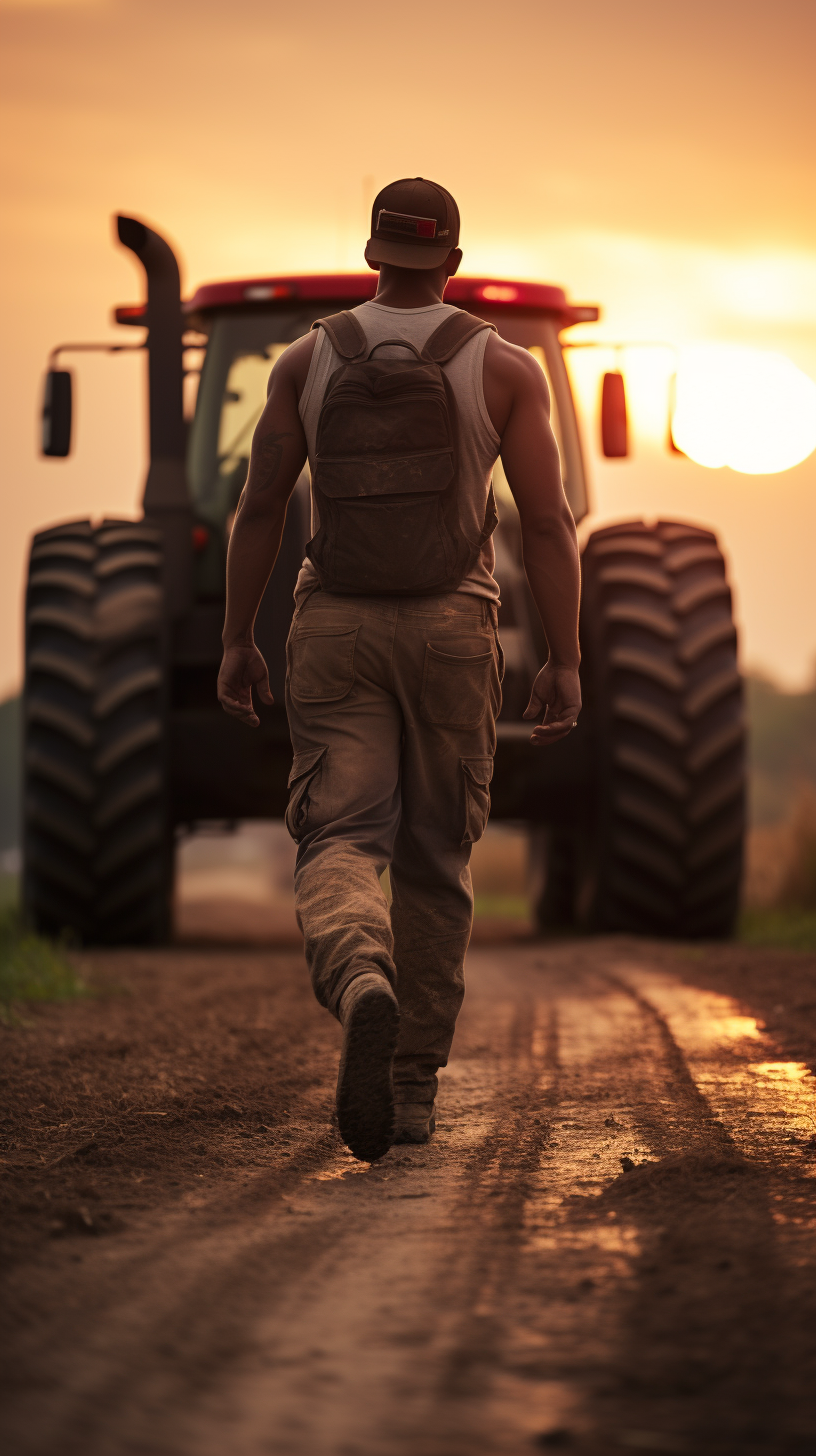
pixel 402 407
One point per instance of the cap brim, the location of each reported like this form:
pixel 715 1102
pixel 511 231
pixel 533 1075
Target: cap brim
pixel 405 255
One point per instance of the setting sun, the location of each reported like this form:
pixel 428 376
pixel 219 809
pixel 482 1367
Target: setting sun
pixel 745 408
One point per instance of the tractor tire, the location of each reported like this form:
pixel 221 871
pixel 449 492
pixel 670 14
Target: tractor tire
pixel 552 860
pixel 661 852
pixel 97 844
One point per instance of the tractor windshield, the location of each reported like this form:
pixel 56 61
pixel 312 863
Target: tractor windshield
pixel 242 350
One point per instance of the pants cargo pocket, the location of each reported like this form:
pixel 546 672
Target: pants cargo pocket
pixel 306 769
pixel 477 775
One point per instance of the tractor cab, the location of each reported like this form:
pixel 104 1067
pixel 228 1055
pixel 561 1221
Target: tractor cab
pixel 636 820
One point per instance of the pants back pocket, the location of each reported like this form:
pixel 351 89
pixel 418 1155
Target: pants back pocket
pixel 455 690
pixel 321 664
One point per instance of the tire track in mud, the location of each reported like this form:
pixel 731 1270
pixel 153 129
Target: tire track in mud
pixel 699 1367
pixel 461 1359
pixel 698 1360
pixel 557 1346
pixel 720 1330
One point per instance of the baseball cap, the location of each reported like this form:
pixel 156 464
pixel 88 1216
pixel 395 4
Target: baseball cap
pixel 414 224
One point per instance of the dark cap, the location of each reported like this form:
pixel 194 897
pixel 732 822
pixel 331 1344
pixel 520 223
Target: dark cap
pixel 414 224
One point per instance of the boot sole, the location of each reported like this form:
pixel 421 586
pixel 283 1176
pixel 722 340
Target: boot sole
pixel 365 1085
pixel 414 1134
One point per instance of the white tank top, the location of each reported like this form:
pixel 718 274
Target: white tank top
pixel 478 441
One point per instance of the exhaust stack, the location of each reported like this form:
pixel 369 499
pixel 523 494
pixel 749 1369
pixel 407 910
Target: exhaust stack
pixel 166 498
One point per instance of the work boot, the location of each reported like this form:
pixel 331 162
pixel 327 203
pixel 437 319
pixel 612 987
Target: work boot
pixel 369 1015
pixel 415 1086
pixel 413 1122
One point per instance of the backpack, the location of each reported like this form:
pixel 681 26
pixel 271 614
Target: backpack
pixel 386 476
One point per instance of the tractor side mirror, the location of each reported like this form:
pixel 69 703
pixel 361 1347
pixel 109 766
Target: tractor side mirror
pixel 57 413
pixel 614 419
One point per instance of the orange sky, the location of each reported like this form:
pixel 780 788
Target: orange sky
pixel 658 160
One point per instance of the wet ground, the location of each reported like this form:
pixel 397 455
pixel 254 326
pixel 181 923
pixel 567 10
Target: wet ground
pixel 608 1245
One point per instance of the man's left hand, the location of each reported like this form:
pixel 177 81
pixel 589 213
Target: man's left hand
pixel 557 695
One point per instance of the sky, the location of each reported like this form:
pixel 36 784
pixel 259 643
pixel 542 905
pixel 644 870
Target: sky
pixel 659 160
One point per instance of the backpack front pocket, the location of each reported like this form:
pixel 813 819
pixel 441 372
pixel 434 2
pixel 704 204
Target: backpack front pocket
pixel 379 547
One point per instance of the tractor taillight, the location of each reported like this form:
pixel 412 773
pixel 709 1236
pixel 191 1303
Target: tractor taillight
pixel 260 292
pixel 498 293
pixel 131 313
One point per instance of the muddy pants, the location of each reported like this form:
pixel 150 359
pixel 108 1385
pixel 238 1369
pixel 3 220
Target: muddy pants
pixel 392 705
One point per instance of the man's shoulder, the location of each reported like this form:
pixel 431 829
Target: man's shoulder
pixel 512 376
pixel 511 360
pixel 293 365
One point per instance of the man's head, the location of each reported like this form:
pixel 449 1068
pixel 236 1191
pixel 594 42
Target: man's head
pixel 414 225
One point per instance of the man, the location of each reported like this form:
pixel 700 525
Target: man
pixel 393 692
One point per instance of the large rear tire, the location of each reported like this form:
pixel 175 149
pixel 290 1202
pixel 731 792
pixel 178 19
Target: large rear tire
pixel 662 851
pixel 98 859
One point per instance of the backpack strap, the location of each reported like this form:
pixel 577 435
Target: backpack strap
pixel 345 334
pixel 453 332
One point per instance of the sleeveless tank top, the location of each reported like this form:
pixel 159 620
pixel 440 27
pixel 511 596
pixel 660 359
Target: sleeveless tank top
pixel 478 441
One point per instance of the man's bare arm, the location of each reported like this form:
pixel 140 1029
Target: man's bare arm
pixel 518 402
pixel 276 460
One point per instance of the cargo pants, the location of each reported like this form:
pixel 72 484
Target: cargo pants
pixel 392 705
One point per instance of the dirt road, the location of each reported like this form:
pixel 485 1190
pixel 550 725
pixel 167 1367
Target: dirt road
pixel 607 1246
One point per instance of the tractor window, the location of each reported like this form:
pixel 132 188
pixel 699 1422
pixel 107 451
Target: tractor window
pixel 243 400
pixel 242 350
pixel 555 419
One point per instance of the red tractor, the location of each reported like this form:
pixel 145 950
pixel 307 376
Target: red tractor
pixel 636 819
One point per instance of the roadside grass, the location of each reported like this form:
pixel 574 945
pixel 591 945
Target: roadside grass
pixel 792 929
pixel 9 891
pixel 502 907
pixel 780 907
pixel 32 968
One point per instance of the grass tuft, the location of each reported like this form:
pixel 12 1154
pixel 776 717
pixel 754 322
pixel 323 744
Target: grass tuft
pixel 780 907
pixel 32 968
pixel 788 928
pixel 502 907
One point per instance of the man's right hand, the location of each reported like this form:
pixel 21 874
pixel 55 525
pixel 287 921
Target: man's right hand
pixel 242 669
pixel 556 695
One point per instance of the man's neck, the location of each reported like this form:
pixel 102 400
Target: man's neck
pixel 410 287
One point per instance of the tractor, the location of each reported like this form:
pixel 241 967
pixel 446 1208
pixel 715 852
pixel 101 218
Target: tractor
pixel 636 820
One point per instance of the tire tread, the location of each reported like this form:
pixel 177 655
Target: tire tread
pixel 664 695
pixel 97 847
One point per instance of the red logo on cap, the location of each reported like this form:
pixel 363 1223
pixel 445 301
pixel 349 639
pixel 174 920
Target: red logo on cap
pixel 404 223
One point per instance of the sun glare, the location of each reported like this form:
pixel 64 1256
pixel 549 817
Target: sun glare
pixel 750 410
